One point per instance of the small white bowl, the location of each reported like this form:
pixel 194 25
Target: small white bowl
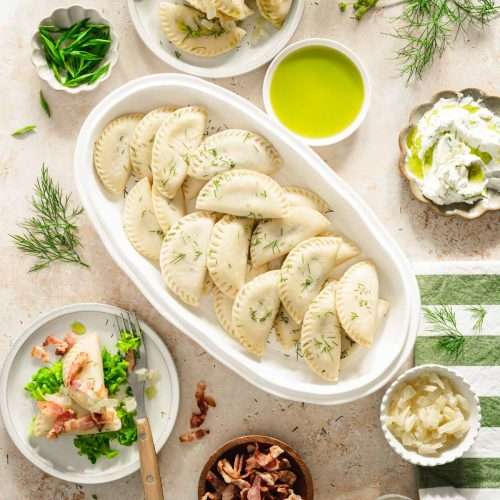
pixel 450 454
pixel 323 42
pixel 66 17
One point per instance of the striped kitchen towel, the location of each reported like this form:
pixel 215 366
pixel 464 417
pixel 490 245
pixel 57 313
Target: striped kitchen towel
pixel 471 290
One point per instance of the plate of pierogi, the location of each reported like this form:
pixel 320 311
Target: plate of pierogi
pixel 216 38
pixel 244 239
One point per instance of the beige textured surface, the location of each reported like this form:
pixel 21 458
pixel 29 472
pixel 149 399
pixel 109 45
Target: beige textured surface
pixel 343 445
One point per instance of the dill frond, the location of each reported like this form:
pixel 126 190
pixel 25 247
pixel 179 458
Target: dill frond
pixel 50 234
pixel 478 314
pixel 427 27
pixel 442 321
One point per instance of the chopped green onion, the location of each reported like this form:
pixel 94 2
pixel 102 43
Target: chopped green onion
pixel 45 104
pixel 24 130
pixel 76 54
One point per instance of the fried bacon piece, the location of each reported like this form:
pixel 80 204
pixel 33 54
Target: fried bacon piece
pixel 62 345
pixel 76 367
pixel 259 472
pixel 191 436
pixel 40 353
pixel 203 402
pixel 59 413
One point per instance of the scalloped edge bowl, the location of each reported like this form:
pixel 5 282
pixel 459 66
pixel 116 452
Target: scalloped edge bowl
pixel 67 17
pixel 461 209
pixel 449 454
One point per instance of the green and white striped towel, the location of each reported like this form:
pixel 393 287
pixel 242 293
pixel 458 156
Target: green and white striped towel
pixel 475 476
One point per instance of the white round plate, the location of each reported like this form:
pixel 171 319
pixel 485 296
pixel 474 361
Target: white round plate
pixel 59 457
pixel 245 58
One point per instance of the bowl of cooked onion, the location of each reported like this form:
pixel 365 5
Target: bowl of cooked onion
pixel 430 415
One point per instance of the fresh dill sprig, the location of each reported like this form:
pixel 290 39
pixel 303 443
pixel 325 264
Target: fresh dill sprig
pixel 51 233
pixel 24 130
pixel 45 104
pixel 478 314
pixel 442 321
pixel 427 27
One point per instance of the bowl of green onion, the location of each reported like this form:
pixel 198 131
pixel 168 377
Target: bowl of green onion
pixel 74 49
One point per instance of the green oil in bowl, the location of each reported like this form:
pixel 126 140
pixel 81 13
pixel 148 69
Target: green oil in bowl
pixel 317 92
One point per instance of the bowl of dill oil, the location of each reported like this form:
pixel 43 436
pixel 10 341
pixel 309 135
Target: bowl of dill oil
pixel 74 49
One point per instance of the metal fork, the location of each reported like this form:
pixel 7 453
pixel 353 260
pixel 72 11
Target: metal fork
pixel 150 471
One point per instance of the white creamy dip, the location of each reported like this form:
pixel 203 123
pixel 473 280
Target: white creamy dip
pixel 454 151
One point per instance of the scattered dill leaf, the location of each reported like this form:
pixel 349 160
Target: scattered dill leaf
pixel 442 321
pixel 45 104
pixel 178 258
pixel 24 130
pixel 478 314
pixel 298 350
pixel 50 234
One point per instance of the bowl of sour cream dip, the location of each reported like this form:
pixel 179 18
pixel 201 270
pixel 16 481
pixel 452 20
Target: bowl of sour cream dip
pixel 450 153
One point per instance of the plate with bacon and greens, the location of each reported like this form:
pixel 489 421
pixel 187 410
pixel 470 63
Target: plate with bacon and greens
pixel 65 397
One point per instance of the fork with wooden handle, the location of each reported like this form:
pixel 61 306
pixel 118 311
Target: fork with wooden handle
pixel 150 471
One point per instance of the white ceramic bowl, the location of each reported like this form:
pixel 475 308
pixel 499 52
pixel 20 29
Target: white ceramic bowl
pixel 323 42
pixel 66 17
pixel 449 454
pixel 247 57
pixel 364 371
pixel 59 457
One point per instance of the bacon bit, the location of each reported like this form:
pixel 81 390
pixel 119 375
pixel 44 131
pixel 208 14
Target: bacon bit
pixel 217 484
pixel 76 367
pixel 191 436
pixel 130 357
pixel 258 473
pixel 62 345
pixel 254 491
pixel 210 496
pixel 203 402
pixel 40 353
pixel 85 423
pixel 59 424
pixel 50 409
pixel 230 492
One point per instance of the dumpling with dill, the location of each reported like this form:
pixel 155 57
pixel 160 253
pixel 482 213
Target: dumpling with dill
pixel 190 30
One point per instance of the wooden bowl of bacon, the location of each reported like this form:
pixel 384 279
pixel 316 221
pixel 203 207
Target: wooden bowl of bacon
pixel 258 468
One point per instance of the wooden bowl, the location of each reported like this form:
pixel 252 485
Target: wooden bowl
pixel 461 209
pixel 303 486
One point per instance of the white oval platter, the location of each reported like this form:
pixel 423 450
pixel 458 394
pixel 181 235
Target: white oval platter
pixel 59 457
pixel 245 58
pixel 277 373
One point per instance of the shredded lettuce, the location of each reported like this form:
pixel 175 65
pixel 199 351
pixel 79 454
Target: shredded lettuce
pixel 94 446
pixel 115 371
pixel 128 341
pixel 47 380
